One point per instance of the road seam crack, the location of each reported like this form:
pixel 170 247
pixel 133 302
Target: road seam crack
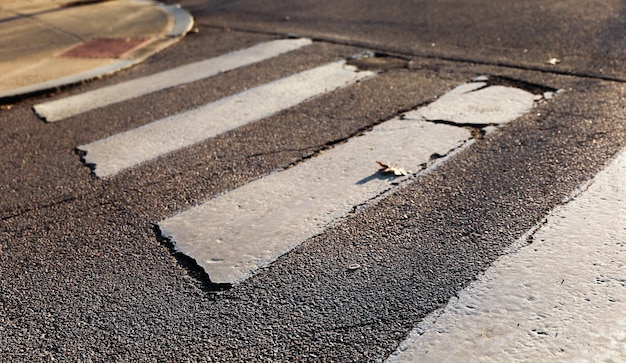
pixel 329 40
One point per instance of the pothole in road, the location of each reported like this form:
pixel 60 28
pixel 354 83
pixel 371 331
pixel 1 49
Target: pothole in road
pixel 375 61
pixel 534 88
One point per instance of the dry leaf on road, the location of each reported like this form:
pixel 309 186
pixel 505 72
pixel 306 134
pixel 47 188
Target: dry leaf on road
pixel 386 168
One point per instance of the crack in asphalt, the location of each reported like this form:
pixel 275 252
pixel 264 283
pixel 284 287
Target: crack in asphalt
pixel 534 88
pixel 404 53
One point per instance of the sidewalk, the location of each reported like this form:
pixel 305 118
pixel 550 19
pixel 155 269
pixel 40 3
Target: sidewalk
pixel 45 44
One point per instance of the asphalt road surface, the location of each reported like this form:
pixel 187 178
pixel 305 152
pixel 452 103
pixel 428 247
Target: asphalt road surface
pixel 86 274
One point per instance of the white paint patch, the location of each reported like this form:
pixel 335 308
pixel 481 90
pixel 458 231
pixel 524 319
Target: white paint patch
pixel 70 106
pixel 560 299
pixel 472 104
pixel 234 234
pixel 124 150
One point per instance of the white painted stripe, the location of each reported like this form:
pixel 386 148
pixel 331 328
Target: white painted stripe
pixel 234 234
pixel 560 299
pixel 73 105
pixel 124 150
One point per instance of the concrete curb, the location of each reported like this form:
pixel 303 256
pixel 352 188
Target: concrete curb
pixel 183 22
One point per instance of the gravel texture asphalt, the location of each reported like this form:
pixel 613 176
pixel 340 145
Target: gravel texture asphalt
pixel 85 278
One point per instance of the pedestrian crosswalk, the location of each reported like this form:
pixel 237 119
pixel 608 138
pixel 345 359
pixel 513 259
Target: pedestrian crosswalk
pixel 235 234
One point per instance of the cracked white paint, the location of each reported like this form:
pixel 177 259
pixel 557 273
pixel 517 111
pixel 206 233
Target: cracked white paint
pixel 233 235
pixel 470 103
pixel 561 298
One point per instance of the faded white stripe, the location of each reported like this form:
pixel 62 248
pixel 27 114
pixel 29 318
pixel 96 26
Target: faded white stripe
pixel 70 106
pixel 124 150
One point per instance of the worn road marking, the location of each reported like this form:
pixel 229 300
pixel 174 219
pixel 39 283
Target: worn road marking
pixel 560 298
pixel 124 150
pixel 234 234
pixel 70 106
pixel 474 105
